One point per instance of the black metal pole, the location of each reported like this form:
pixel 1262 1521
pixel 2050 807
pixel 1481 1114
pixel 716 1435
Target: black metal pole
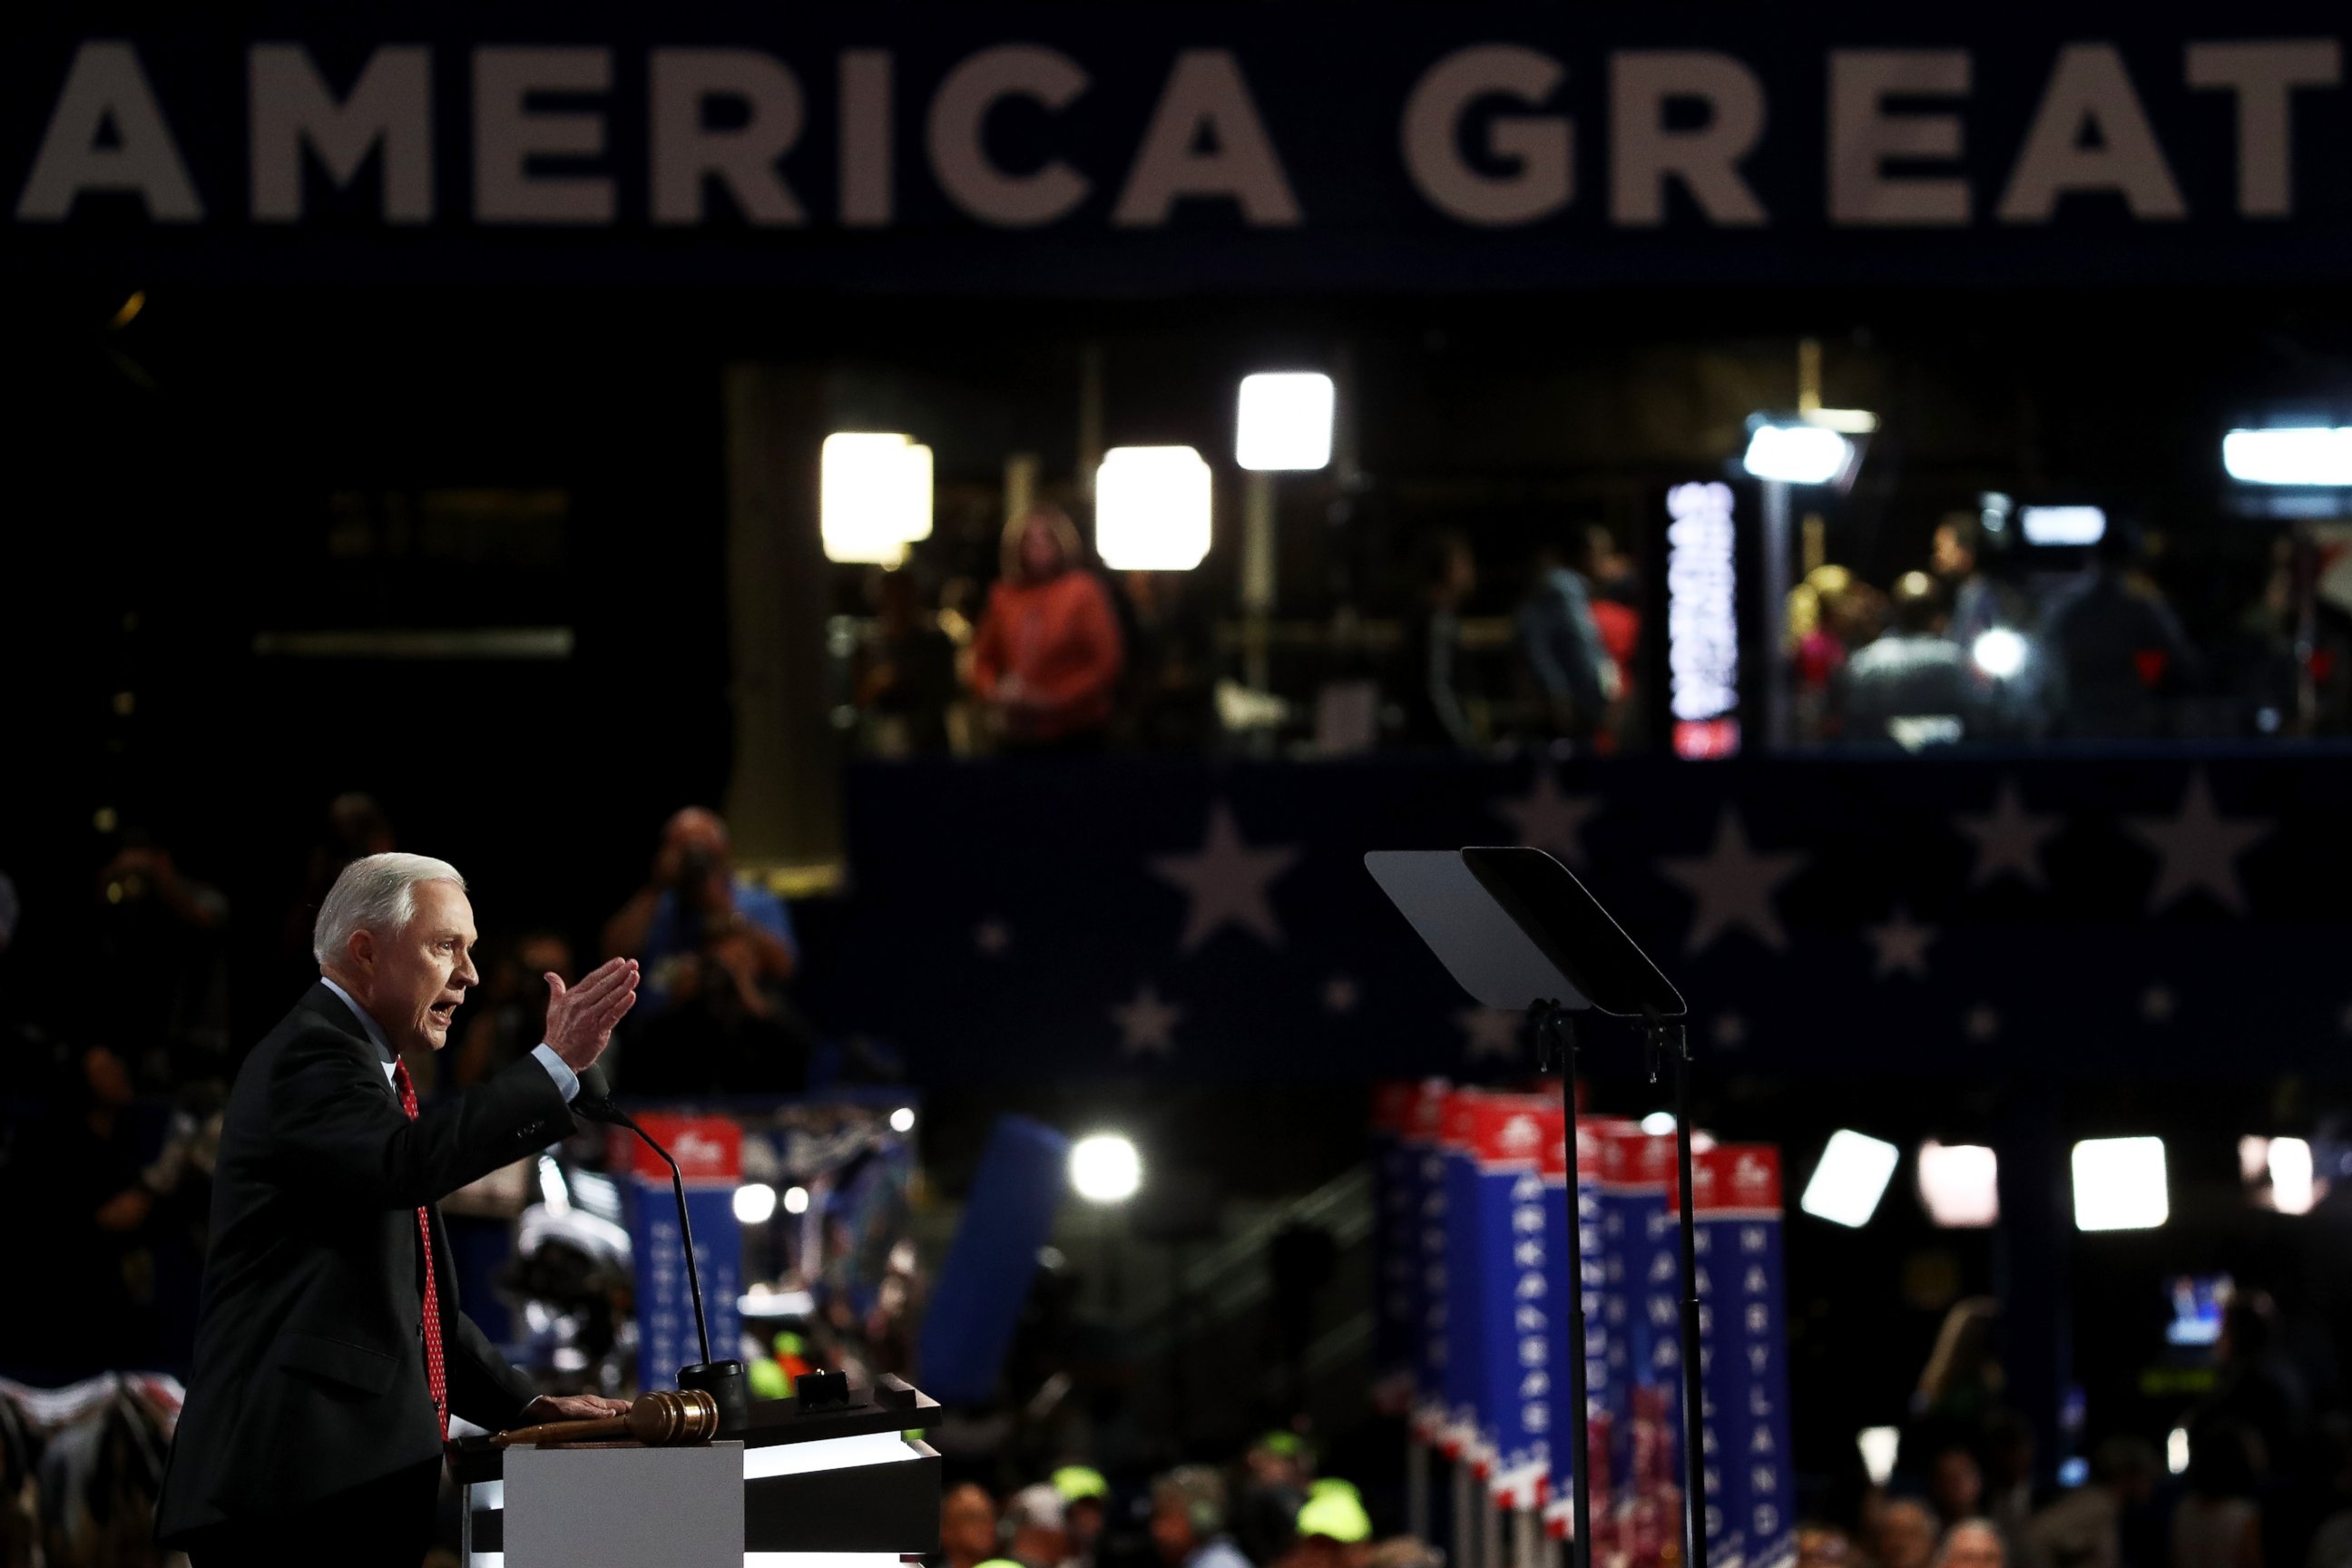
pixel 1676 1042
pixel 1579 1480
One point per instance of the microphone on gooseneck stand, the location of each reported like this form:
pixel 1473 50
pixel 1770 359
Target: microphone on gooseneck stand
pixel 724 1380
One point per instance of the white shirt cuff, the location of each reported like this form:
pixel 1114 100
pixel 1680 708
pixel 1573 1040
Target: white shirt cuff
pixel 567 1082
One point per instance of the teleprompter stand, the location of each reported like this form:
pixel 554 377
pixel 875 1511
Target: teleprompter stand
pixel 1517 931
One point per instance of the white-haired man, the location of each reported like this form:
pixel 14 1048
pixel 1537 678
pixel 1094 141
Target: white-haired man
pixel 329 1350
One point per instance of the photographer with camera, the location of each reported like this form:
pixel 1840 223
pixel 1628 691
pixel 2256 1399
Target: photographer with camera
pixel 717 953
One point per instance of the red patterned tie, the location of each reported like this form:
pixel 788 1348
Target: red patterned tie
pixel 436 1371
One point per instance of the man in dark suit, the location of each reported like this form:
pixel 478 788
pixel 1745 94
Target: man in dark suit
pixel 330 1349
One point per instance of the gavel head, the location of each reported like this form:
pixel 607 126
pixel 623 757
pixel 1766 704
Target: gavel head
pixel 666 1417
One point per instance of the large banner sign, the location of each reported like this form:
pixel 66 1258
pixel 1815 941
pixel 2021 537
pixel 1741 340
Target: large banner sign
pixel 1751 1491
pixel 709 1154
pixel 1239 148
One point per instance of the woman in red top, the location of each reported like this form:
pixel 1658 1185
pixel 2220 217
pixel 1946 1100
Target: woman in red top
pixel 1047 654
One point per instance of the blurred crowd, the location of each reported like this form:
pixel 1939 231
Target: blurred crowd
pixel 1267 1508
pixel 1984 640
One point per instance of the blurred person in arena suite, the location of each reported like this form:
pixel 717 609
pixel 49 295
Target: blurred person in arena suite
pixel 1047 656
pixel 329 1350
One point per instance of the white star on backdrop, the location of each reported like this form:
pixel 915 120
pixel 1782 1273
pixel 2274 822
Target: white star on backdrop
pixel 1340 994
pixel 1901 944
pixel 1491 1032
pixel 2009 839
pixel 1226 881
pixel 1147 1024
pixel 1731 1031
pixel 1547 819
pixel 2155 1005
pixel 1732 885
pixel 2198 848
pixel 1982 1023
pixel 992 936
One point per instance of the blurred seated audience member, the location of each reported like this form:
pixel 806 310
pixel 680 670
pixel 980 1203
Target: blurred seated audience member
pixel 355 827
pixel 1955 1484
pixel 1276 1470
pixel 1036 1523
pixel 2115 645
pixel 512 1018
pixel 1332 1530
pixel 1816 650
pixel 904 677
pixel 1972 1544
pixel 1171 666
pixel 717 951
pixel 2257 1384
pixel 966 1526
pixel 1824 1546
pixel 1559 643
pixel 163 946
pixel 1188 1519
pixel 2009 1497
pixel 1085 1496
pixel 1436 687
pixel 92 1189
pixel 2219 1523
pixel 1404 1552
pixel 1903 1534
pixel 1047 659
pixel 2085 1528
pixel 1912 676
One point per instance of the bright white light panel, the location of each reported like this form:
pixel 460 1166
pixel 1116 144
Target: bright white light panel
pixel 2120 1185
pixel 1797 454
pixel 2062 524
pixel 2316 456
pixel 874 496
pixel 1152 509
pixel 1851 1178
pixel 1283 421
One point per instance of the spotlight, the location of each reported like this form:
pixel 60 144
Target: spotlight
pixel 874 497
pixel 2293 1190
pixel 1851 1179
pixel 1152 509
pixel 1105 1168
pixel 2000 652
pixel 2175 1451
pixel 1961 1185
pixel 796 1200
pixel 2062 524
pixel 1659 1124
pixel 754 1202
pixel 2316 456
pixel 2120 1185
pixel 1797 454
pixel 903 1118
pixel 1878 1445
pixel 1283 421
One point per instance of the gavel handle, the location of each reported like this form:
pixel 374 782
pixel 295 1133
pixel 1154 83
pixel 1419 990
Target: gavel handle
pixel 563 1432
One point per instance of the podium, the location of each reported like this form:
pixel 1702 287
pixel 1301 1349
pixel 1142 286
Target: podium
pixel 836 1486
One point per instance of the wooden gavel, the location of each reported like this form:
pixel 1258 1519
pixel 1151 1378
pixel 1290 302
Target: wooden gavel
pixel 663 1418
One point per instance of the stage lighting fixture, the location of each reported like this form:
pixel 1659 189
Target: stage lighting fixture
pixel 1152 509
pixel 755 1202
pixel 796 1200
pixel 2175 1451
pixel 874 497
pixel 903 1118
pixel 1659 1124
pixel 2293 1190
pixel 1283 421
pixel 1961 1185
pixel 1851 1178
pixel 2314 455
pixel 1105 1168
pixel 1797 454
pixel 2120 1185
pixel 2000 652
pixel 1878 1445
pixel 2062 524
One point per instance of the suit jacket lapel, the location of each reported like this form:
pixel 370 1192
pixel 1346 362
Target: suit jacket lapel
pixel 330 1007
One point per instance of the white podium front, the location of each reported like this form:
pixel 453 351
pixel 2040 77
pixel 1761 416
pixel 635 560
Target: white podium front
pixel 843 1485
pixel 624 1507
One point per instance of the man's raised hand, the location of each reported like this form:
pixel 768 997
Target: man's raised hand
pixel 579 1018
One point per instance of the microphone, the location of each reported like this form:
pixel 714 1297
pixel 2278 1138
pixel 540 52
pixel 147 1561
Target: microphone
pixel 724 1380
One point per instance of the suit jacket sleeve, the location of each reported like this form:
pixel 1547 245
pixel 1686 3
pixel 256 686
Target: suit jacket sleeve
pixel 483 1388
pixel 336 1127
